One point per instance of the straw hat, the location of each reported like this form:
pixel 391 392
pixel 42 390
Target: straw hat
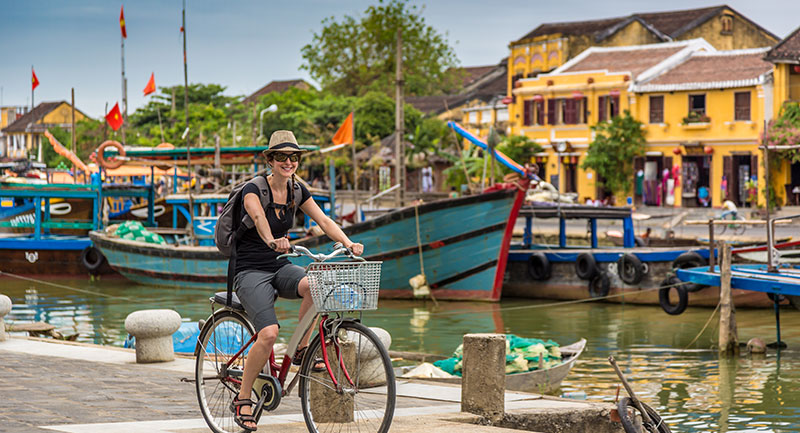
pixel 283 141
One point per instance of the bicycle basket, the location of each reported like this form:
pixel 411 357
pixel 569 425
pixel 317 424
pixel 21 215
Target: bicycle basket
pixel 344 286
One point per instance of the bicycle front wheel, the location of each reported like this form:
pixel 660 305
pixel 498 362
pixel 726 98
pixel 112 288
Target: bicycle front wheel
pixel 223 335
pixel 363 397
pixel 737 227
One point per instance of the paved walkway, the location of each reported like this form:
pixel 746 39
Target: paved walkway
pixel 78 388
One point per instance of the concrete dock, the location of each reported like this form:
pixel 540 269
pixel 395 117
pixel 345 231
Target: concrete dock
pixel 48 385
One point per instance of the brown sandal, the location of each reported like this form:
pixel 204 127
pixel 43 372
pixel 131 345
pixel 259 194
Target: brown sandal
pixel 241 419
pixel 319 363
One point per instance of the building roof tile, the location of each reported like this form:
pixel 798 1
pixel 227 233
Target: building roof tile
pixel 787 50
pixel 33 116
pixel 275 86
pixel 634 60
pixel 736 67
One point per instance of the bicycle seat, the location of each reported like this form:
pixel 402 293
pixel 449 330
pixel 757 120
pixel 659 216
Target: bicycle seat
pixel 222 297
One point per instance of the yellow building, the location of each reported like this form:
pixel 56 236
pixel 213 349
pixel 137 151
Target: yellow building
pixel 24 135
pixel 550 45
pixel 729 93
pixel 786 81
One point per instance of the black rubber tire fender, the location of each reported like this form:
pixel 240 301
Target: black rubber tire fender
pixel 631 427
pixel 630 269
pixel 539 267
pixel 690 259
pixel 794 300
pixel 586 266
pixel 599 285
pixel 673 283
pixel 92 259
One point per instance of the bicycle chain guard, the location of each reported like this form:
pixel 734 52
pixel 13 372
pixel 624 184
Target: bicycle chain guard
pixel 270 393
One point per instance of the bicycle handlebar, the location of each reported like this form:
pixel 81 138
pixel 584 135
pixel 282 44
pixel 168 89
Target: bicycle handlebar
pixel 298 251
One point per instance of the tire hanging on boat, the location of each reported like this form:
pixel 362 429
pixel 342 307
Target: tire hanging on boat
pixel 92 259
pixel 673 283
pixel 586 266
pixel 631 427
pixel 539 267
pixel 630 269
pixel 690 259
pixel 599 285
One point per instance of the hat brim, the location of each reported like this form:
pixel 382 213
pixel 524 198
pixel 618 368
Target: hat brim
pixel 287 147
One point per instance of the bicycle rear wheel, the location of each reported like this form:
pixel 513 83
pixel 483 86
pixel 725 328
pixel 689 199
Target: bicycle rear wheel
pixel 364 399
pixel 224 334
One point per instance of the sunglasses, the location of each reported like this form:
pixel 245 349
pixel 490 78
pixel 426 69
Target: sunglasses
pixel 280 157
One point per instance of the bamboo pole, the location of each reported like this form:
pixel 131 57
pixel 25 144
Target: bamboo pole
pixel 728 338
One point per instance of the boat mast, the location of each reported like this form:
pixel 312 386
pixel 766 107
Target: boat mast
pixel 186 131
pixel 399 162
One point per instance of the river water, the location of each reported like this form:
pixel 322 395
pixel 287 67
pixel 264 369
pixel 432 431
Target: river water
pixel 690 387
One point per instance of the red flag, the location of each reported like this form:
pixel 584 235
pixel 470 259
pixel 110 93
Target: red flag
pixel 345 133
pixel 122 22
pixel 34 80
pixel 151 85
pixel 114 117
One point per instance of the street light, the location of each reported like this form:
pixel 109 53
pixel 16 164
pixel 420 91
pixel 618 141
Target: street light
pixel 271 109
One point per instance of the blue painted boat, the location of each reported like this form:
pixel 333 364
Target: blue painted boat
pixel 464 243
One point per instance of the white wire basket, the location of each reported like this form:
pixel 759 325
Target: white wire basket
pixel 344 286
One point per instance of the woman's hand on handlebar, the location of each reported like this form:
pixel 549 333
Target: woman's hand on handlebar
pixel 280 245
pixel 356 248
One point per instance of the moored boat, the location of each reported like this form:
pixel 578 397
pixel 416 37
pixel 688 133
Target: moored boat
pixel 464 244
pixel 544 381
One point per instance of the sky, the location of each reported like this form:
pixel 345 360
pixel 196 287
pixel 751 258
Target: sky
pixel 243 45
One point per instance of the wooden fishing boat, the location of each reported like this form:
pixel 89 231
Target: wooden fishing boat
pixel 543 381
pixel 464 244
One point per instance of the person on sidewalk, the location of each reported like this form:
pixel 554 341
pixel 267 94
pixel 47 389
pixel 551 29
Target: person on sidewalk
pixel 260 276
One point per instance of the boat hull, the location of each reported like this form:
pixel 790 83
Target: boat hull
pixel 538 381
pixel 564 284
pixel 463 241
pixel 50 255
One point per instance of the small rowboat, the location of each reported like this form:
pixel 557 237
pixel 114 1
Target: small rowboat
pixel 539 381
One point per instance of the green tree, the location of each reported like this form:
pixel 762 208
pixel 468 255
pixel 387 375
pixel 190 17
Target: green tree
pixel 356 55
pixel 611 152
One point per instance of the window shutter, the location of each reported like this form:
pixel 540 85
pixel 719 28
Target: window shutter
pixel 601 108
pixel 551 111
pixel 540 112
pixel 527 105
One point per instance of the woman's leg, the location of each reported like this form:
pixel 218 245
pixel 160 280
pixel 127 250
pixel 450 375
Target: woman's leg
pixel 256 360
pixel 304 291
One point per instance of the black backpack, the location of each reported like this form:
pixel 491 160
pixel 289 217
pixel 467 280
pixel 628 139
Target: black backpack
pixel 233 221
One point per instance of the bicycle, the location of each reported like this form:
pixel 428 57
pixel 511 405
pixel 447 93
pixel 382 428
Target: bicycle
pixel 356 391
pixel 736 229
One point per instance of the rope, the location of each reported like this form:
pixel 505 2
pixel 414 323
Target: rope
pixel 526 307
pixel 61 286
pixel 421 261
pixel 713 313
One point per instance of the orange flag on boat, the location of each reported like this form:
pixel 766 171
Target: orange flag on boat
pixel 151 85
pixel 34 80
pixel 114 117
pixel 345 133
pixel 122 22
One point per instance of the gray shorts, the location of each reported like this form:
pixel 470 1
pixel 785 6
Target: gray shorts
pixel 258 290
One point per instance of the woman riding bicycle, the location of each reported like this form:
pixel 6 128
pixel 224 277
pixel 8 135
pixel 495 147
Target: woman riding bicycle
pixel 260 276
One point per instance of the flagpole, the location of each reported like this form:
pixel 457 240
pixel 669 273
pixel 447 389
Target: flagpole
pixel 124 96
pixel 355 167
pixel 32 87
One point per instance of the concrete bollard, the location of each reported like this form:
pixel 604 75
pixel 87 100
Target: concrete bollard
pixel 5 307
pixel 371 372
pixel 327 405
pixel 153 330
pixel 483 382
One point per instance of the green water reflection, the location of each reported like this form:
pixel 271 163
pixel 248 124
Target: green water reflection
pixel 693 389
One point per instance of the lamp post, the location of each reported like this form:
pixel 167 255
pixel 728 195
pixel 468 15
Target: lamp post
pixel 271 109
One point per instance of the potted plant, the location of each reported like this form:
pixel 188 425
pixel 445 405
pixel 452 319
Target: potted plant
pixel 695 117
